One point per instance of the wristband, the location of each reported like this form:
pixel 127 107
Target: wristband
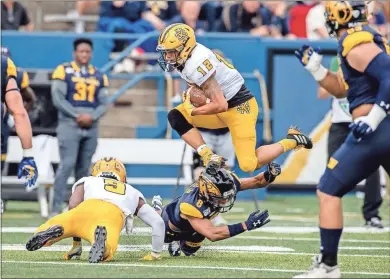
pixel 28 153
pixel 320 73
pixel 235 229
pixel 376 115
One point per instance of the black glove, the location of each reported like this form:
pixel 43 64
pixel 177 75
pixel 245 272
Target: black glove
pixel 273 170
pixel 257 219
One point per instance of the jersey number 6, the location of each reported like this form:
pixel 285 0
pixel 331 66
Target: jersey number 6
pixel 114 186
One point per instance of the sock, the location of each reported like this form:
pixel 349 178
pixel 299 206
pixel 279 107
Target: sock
pixel 288 144
pixel 329 245
pixel 76 238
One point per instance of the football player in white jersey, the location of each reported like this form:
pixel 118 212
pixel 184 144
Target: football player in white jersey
pixel 231 104
pixel 98 208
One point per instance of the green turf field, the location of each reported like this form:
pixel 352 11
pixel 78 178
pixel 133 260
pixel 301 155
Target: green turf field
pixel 280 249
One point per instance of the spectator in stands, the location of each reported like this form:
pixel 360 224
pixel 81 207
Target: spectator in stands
pixel 315 22
pixel 297 19
pixel 164 10
pixel 79 92
pixel 210 12
pixel 247 16
pixel 128 17
pixel 189 14
pixel 14 17
pixel 377 17
pixel 278 19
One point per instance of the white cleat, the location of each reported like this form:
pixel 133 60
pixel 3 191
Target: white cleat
pixel 320 270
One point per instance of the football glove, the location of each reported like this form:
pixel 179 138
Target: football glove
pixel 366 125
pixel 273 170
pixel 311 59
pixel 28 169
pixel 186 102
pixel 257 219
pixel 150 257
pixel 74 252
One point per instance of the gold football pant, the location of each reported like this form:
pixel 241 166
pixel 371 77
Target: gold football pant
pixel 241 121
pixel 82 221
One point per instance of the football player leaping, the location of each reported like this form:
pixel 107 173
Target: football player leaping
pixel 97 209
pixel 231 104
pixel 188 217
pixel 364 78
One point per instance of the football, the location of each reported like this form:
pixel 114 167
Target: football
pixel 197 96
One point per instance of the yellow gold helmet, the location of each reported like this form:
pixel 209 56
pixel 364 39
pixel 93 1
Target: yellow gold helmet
pixel 344 14
pixel 218 188
pixel 178 38
pixel 110 167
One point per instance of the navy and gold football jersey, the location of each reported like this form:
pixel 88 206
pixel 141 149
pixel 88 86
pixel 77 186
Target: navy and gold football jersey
pixel 191 204
pixel 83 86
pixel 8 70
pixel 361 88
pixel 22 79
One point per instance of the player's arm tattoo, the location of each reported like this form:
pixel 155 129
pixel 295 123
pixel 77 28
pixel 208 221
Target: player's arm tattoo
pixel 218 101
pixel 255 182
pixel 334 84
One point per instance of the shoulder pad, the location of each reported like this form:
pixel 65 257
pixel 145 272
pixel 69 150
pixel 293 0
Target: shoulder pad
pixel 352 40
pixel 190 210
pixel 59 72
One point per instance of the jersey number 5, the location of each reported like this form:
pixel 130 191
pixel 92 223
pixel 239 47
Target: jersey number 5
pixel 114 186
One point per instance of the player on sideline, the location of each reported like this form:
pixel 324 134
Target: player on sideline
pixel 11 100
pixel 188 217
pixel 97 209
pixel 231 104
pixel 364 79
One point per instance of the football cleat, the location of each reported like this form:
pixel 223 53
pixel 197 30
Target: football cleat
pixel 320 270
pixel 40 239
pixel 174 249
pixel 74 252
pixel 96 253
pixel 301 139
pixel 157 203
pixel 374 222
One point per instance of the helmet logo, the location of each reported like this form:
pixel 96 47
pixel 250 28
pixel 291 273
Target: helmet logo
pixel 182 35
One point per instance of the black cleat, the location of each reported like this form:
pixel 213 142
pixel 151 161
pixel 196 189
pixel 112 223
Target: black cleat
pixel 174 249
pixel 38 240
pixel 96 253
pixel 302 140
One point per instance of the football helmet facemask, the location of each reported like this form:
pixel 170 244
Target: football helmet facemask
pixel 178 38
pixel 218 188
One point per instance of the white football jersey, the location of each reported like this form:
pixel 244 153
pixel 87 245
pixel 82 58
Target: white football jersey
pixel 203 63
pixel 121 194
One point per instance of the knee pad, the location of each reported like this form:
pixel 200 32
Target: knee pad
pixel 178 122
pixel 189 248
pixel 331 185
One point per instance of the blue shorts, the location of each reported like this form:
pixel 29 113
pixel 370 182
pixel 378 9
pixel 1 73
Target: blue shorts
pixel 356 160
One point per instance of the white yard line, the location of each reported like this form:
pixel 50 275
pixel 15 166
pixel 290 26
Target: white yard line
pixel 308 239
pixel 221 249
pixel 254 248
pixel 363 248
pixel 270 229
pixel 184 267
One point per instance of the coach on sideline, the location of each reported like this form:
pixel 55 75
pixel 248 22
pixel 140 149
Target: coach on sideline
pixel 79 92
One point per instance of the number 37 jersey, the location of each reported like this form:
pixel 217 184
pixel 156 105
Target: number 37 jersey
pixel 203 63
pixel 121 194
